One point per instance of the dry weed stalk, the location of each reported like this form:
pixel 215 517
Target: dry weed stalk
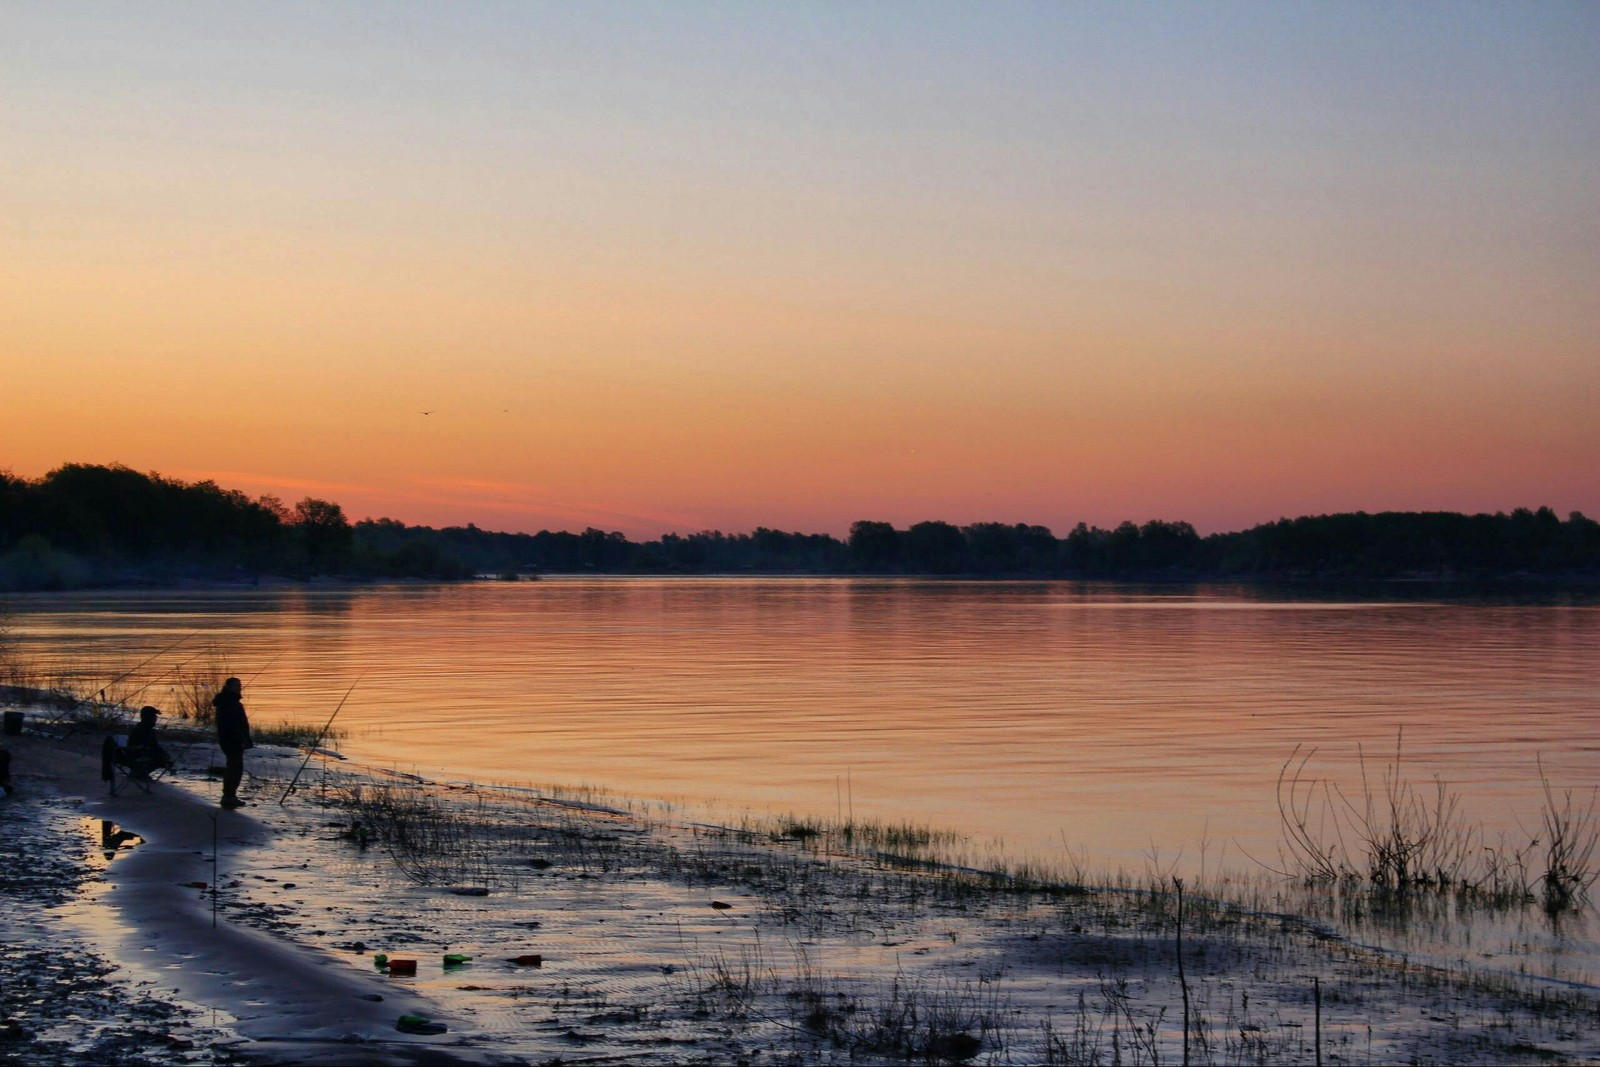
pixel 430 843
pixel 1572 836
pixel 1315 859
pixel 1409 843
pixel 1413 841
pixel 195 682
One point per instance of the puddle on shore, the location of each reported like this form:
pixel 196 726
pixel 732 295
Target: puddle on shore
pixel 110 837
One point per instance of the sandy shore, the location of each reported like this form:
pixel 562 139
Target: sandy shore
pixel 248 936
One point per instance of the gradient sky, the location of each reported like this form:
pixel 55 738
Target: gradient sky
pixel 689 266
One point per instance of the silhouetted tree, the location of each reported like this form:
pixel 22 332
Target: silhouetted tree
pixel 16 509
pixel 1166 545
pixel 935 548
pixel 994 547
pixel 1080 549
pixel 325 535
pixel 874 546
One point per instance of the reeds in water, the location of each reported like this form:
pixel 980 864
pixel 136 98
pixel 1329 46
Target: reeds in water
pixel 1408 839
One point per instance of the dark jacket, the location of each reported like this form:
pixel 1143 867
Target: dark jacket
pixel 142 740
pixel 233 726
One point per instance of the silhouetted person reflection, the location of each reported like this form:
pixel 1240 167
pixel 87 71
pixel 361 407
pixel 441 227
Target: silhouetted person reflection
pixel 233 737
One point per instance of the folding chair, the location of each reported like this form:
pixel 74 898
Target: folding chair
pixel 119 766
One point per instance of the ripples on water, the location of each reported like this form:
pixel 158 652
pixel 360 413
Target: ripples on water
pixel 1026 710
pixel 1132 723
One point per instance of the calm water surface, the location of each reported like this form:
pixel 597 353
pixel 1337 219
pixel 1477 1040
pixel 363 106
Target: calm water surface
pixel 1122 723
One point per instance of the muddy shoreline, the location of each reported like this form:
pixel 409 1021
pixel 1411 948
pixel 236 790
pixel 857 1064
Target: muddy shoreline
pixel 658 942
pixel 46 962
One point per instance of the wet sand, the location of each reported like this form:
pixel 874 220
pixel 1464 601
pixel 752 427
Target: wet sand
pixel 662 943
pixel 283 1002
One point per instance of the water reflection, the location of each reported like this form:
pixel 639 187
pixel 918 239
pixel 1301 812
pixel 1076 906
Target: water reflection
pixel 1115 718
pixel 1445 927
pixel 114 838
pixel 1132 727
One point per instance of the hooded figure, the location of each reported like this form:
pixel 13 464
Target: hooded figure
pixel 233 737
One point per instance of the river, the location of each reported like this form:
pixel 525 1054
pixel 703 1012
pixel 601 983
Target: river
pixel 1126 725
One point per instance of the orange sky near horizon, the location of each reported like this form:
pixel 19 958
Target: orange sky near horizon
pixel 950 263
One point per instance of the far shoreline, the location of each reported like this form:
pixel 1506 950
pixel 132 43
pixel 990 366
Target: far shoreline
pixel 1497 583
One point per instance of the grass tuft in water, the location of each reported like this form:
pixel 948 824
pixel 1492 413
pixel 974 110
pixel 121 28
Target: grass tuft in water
pixel 1411 841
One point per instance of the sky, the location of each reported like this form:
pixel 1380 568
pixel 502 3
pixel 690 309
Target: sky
pixel 667 267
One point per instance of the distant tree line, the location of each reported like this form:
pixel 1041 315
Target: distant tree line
pixel 85 525
pixel 1402 544
pixel 1442 545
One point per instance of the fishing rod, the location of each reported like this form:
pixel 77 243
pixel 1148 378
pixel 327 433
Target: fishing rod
pixel 315 744
pixel 144 663
pixel 79 701
pixel 175 667
pixel 184 751
pixel 263 669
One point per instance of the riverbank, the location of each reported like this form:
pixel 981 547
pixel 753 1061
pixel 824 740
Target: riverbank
pixel 115 900
pixel 656 941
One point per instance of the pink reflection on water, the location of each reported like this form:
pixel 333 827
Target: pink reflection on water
pixel 1040 715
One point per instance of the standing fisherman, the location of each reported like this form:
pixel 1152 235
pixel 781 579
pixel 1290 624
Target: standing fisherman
pixel 233 737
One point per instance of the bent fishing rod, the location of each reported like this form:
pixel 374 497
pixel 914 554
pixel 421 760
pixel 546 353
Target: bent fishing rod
pixel 318 742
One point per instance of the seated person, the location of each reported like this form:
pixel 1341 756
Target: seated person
pixel 142 743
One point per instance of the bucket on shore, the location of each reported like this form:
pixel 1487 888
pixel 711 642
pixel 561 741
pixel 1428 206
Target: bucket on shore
pixel 13 725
